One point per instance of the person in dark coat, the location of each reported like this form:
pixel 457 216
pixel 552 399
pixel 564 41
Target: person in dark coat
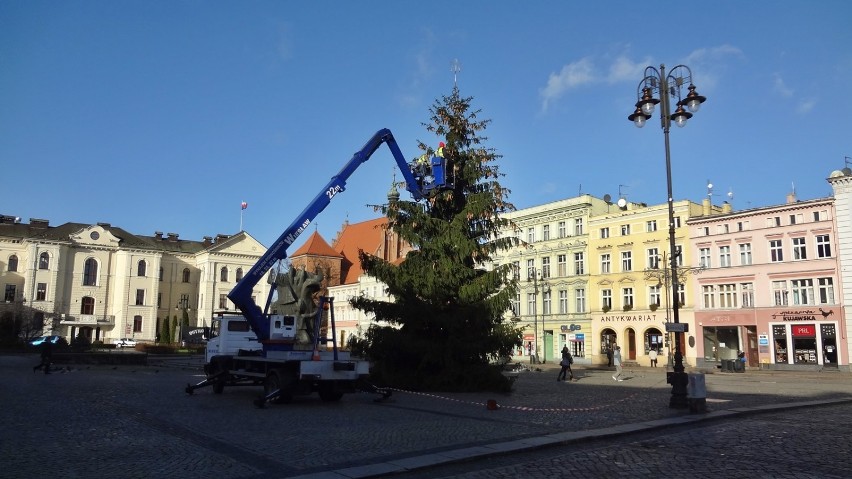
pixel 609 357
pixel 46 356
pixel 566 362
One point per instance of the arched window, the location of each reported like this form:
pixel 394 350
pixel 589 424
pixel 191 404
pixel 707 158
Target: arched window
pixel 13 263
pixel 653 340
pixel 87 305
pixel 90 272
pixel 239 274
pixel 141 268
pixel 223 274
pixel 186 275
pixel 44 261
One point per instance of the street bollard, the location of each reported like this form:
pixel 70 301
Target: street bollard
pixel 696 393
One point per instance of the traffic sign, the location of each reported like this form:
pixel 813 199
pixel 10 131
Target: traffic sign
pixel 677 327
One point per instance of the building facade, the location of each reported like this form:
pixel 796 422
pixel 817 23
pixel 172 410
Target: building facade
pixel 98 282
pixel 770 287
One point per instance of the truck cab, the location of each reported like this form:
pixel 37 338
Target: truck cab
pixel 229 335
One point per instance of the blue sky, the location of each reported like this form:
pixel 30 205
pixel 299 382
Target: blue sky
pixel 166 115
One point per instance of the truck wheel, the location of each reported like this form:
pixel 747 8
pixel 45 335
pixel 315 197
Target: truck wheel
pixel 219 385
pixel 279 380
pixel 328 394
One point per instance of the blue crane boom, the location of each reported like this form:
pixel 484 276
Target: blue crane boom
pixel 417 184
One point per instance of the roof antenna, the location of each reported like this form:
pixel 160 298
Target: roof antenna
pixel 709 190
pixel 455 67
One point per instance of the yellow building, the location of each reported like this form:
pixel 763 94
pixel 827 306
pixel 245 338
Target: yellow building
pixel 630 287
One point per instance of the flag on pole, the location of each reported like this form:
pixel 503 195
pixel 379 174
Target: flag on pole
pixel 244 205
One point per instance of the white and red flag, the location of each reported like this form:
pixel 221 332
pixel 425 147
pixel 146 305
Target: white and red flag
pixel 243 205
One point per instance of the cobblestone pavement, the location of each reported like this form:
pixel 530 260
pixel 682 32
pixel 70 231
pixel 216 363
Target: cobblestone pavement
pixel 138 422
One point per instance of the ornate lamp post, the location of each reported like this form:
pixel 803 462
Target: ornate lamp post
pixel 668 86
pixel 534 276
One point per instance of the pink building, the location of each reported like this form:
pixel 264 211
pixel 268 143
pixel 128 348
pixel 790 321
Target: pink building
pixel 771 287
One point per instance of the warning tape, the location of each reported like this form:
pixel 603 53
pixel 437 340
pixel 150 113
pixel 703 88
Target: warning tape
pixel 490 404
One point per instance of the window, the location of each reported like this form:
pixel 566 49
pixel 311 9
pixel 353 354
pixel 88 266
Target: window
pixel 545 267
pixel 580 300
pixel 161 273
pixel 41 292
pixel 651 226
pixel 140 297
pixel 745 254
pixel 530 235
pixel 627 297
pixel 709 297
pixel 704 257
pixel 605 264
pixel 606 299
pixel 653 258
pixel 516 270
pixel 799 249
pixel 530 269
pixel 727 296
pixel 677 222
pixel 87 305
pixel 823 244
pixel 654 295
pixel 137 323
pixel 13 263
pixel 223 301
pixel 531 309
pixel 90 272
pixel 239 276
pixel 562 229
pixel 545 232
pixel 578 226
pixel 625 230
pixel 604 233
pixel 562 265
pixel 159 300
pixel 725 256
pixel 626 261
pixel 516 305
pixel 223 274
pixel 803 291
pixel 563 301
pixel 776 254
pixel 183 303
pixel 545 300
pixel 747 295
pixel 705 231
pixel 10 293
pixel 779 293
pixel 44 261
pixel 579 263
pixel 681 294
pixel 826 290
pixel 185 275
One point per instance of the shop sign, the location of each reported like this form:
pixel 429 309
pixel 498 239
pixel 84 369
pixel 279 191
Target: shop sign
pixel 580 337
pixel 803 330
pixel 629 317
pixel 796 315
pixel 763 340
pixel 571 327
pixel 677 327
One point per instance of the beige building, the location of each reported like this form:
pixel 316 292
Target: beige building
pixel 101 283
pixel 552 269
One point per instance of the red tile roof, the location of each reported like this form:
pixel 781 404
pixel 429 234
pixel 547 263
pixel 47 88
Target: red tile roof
pixel 316 246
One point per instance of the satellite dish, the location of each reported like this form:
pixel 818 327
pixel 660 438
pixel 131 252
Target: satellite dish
pixel 607 198
pixel 622 203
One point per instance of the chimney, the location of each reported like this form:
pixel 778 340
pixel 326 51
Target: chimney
pixel 221 237
pixel 791 198
pixel 158 235
pixel 172 236
pixel 706 207
pixel 39 223
pixel 208 240
pixel 727 207
pixel 104 225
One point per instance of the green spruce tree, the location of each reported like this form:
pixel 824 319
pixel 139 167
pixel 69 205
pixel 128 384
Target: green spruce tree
pixel 444 328
pixel 166 332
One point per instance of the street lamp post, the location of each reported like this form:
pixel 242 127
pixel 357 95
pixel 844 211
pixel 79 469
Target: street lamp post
pixel 667 87
pixel 533 275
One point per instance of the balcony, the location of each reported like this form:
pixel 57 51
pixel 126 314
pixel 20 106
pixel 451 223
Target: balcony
pixel 86 319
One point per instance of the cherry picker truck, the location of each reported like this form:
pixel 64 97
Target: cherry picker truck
pixel 260 347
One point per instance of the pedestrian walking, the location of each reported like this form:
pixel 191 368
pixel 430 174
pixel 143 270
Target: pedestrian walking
pixel 566 362
pixel 46 356
pixel 653 356
pixel 616 360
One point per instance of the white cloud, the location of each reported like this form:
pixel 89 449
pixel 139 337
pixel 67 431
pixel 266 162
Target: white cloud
pixel 805 106
pixel 625 69
pixel 572 75
pixel 780 87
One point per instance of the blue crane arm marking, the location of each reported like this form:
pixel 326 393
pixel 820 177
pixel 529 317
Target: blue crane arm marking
pixel 241 294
